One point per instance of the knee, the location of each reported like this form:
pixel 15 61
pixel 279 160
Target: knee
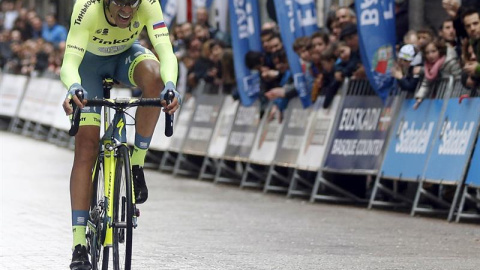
pixel 86 150
pixel 149 80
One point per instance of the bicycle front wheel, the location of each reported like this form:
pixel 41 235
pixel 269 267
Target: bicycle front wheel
pixel 96 225
pixel 122 212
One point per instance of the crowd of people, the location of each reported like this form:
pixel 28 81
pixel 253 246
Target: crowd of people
pixel 31 46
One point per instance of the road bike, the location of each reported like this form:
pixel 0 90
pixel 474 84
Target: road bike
pixel 113 212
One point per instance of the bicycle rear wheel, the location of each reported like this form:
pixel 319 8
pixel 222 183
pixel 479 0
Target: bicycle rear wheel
pixel 96 224
pixel 122 212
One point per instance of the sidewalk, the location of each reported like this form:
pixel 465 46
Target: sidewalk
pixel 189 224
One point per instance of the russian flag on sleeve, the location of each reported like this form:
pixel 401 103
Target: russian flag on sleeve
pixel 158 25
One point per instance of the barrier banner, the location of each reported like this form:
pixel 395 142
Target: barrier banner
pixel 242 136
pixel 34 99
pixel 219 141
pixel 56 90
pixel 202 124
pixel 296 19
pixel 12 88
pixel 182 124
pixel 59 120
pixel 266 140
pixel 293 135
pixel 377 38
pixel 245 31
pixel 473 175
pixel 454 141
pixel 411 139
pixel 319 130
pixel 360 134
pixel 169 10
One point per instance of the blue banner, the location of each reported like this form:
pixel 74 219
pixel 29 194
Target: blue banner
pixel 454 141
pixel 411 139
pixel 376 35
pixel 473 176
pixel 360 134
pixel 296 19
pixel 169 10
pixel 245 30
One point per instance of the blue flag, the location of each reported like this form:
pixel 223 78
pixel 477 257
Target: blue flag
pixel 376 34
pixel 169 10
pixel 245 30
pixel 296 19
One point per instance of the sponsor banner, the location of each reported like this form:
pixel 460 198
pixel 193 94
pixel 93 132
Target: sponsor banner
pixel 266 139
pixel 60 120
pixel 376 33
pixel 245 31
pixel 293 134
pixel 411 139
pixel 34 99
pixel 454 141
pixel 360 134
pixel 169 10
pixel 183 6
pixel 319 130
pixel 219 141
pixel 473 175
pixel 51 104
pixel 298 19
pixel 242 136
pixel 202 124
pixel 12 88
pixel 182 124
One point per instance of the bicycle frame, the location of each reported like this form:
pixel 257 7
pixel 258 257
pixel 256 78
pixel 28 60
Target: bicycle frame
pixel 114 136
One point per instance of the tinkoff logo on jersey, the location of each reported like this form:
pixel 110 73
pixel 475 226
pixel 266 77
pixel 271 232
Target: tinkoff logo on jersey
pixel 82 12
pixel 159 25
pixel 114 41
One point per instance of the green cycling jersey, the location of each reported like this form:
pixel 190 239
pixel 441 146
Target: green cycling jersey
pixel 90 31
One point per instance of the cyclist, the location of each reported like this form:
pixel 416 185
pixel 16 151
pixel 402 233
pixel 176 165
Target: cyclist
pixel 102 42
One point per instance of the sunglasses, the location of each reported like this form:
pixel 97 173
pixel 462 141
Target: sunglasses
pixel 123 3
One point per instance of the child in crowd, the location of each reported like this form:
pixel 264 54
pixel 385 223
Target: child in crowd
pixel 437 65
pixel 402 71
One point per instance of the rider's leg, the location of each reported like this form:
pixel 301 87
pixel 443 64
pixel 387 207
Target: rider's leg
pixel 147 77
pixel 86 150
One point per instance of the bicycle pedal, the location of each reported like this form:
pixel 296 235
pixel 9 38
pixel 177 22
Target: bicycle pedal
pixel 137 212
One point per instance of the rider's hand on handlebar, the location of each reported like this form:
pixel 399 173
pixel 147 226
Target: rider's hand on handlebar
pixel 72 97
pixel 175 104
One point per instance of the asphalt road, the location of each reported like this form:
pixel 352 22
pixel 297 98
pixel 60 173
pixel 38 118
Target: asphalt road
pixel 189 224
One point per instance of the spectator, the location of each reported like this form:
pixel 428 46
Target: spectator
pixel 10 13
pixel 353 68
pixel 424 36
pixel 402 71
pixel 329 85
pixel 401 19
pixel 469 81
pixel 345 15
pixel 471 20
pixel 53 32
pixel 449 35
pixel 437 65
pixel 209 66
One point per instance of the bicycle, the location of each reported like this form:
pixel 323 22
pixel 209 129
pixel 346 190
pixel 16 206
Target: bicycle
pixel 113 213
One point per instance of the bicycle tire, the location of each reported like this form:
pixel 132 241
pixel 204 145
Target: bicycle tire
pixel 98 254
pixel 122 211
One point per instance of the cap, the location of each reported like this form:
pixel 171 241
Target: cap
pixel 347 30
pixel 407 52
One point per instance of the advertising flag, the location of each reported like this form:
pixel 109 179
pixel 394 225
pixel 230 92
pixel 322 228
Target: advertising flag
pixel 376 35
pixel 245 31
pixel 297 18
pixel 169 9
